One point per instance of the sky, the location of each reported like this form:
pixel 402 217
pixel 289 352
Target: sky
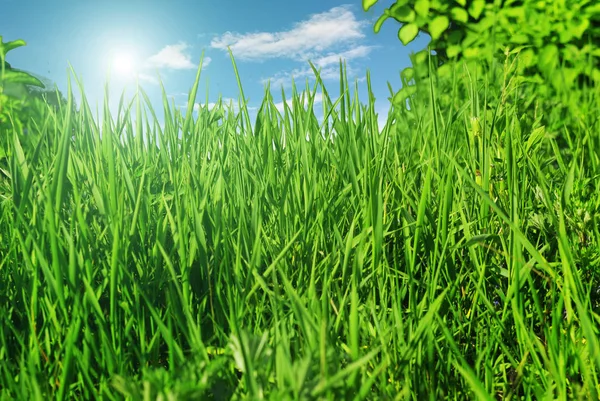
pixel 271 41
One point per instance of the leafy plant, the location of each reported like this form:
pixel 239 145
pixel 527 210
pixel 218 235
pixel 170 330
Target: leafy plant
pixel 23 97
pixel 556 40
pixel 13 82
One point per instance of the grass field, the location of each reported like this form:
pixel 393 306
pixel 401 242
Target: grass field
pixel 452 254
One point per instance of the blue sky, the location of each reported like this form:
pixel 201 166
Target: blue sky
pixel 271 40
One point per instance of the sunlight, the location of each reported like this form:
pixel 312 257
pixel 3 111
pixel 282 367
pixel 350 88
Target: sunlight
pixel 123 65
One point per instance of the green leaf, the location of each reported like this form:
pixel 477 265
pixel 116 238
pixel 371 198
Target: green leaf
pixel 535 137
pixel 481 239
pixel 518 49
pixel 403 94
pixel 471 52
pixel 402 14
pixel 438 26
pixel 568 187
pixel 565 35
pixel 20 77
pixel 408 33
pixel 367 4
pixel 453 51
pixel 459 14
pixel 593 10
pixel 462 2
pixel 444 70
pixel 471 378
pixel 476 8
pixel 527 58
pixel 422 7
pixel 520 38
pixel 380 22
pixel 420 57
pixel 515 12
pixel 578 28
pixel 408 73
pixel 8 46
pixel 548 58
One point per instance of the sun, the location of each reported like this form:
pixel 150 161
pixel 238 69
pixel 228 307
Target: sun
pixel 123 65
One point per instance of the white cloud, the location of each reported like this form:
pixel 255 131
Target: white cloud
pixel 320 32
pixel 175 57
pixel 334 58
pixel 328 67
pixel 206 61
pixel 323 38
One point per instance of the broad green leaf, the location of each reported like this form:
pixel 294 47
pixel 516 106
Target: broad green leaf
pixel 459 14
pixel 403 14
pixel 593 9
pixel 548 58
pixel 20 77
pixel 565 34
pixel 527 58
pixel 420 57
pixel 520 38
pixel 515 12
pixel 422 7
pixel 471 52
pixel 438 26
pixel 462 2
pixel 408 33
pixel 453 51
pixel 485 23
pixel 568 76
pixel 403 94
pixel 476 8
pixel 439 5
pixel 444 70
pixel 578 27
pixel 408 73
pixel 367 4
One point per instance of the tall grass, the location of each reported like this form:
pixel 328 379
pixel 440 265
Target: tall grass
pixel 452 253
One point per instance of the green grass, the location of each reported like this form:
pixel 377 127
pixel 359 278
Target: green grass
pixel 452 254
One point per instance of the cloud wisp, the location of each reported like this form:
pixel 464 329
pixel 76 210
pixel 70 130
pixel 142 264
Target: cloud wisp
pixel 173 57
pixel 170 57
pixel 327 64
pixel 318 33
pixel 323 38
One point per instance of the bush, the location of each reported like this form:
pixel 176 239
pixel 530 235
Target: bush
pixel 555 39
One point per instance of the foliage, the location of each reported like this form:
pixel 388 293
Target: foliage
pixel 23 97
pixel 557 40
pixel 452 253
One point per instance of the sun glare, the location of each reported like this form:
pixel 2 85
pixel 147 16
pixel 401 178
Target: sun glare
pixel 123 65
